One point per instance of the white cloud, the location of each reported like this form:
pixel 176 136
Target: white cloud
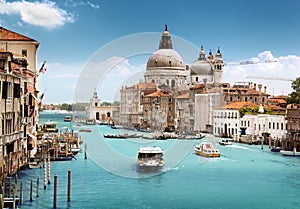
pixel 82 3
pixel 275 76
pixel 44 14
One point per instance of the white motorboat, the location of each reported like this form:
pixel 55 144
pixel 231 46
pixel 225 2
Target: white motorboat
pixel 150 158
pixel 225 142
pixel 207 149
pixel 293 152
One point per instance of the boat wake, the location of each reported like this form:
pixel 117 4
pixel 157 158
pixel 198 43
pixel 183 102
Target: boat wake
pixel 239 147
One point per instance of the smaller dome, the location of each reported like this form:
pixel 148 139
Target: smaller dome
pixel 201 67
pixel 166 33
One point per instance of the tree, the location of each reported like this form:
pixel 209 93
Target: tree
pixel 294 97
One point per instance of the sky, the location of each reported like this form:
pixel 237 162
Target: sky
pixel 104 45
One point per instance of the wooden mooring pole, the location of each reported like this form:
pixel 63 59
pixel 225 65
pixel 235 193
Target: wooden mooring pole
pixel 48 168
pixel 55 192
pixel 69 186
pixel 31 185
pixel 37 186
pixel 85 148
pixel 45 172
pixel 3 194
pixel 21 193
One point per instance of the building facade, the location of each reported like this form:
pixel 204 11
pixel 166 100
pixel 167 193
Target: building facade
pixel 19 109
pixel 293 128
pixel 98 113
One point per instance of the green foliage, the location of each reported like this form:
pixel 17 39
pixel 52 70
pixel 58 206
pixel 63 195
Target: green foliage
pixel 105 104
pixel 254 111
pixel 294 97
pixel 66 106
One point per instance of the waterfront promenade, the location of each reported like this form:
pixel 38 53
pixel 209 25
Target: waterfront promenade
pixel 245 176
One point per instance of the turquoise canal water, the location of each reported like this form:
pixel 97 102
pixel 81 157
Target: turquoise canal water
pixel 245 176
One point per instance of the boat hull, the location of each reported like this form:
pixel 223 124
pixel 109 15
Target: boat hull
pixel 289 153
pixel 207 149
pixel 149 168
pixel 204 154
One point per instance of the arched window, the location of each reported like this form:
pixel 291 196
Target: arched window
pixel 97 116
pixel 173 83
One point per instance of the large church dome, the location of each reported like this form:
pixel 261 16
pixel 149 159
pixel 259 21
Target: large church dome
pixel 165 56
pixel 165 66
pixel 162 58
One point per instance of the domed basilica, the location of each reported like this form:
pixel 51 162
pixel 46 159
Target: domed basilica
pixel 165 99
pixel 165 66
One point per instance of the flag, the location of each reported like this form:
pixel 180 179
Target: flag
pixel 40 100
pixel 43 69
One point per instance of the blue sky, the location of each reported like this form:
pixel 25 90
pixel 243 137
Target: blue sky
pixel 72 34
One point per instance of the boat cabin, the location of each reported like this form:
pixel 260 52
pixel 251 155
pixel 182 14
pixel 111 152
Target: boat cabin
pixel 50 126
pixel 150 152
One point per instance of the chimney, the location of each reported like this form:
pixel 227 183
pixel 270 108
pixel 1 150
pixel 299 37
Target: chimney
pixel 259 87
pixel 254 87
pixel 265 89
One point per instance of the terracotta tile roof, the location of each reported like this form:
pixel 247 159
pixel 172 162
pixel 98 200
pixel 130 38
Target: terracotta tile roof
pixel 184 96
pixel 7 35
pixel 197 86
pixel 158 93
pixel 239 105
pixel 280 101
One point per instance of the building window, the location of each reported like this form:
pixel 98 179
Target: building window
pixel 196 78
pixel 173 83
pixel 24 52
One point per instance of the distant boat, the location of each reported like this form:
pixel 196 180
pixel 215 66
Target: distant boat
pixel 117 136
pixel 68 118
pixel 35 164
pixel 275 149
pixel 116 127
pixel 150 158
pixel 207 149
pixel 85 130
pixel 90 122
pixel 293 152
pixel 50 126
pixel 64 158
pixel 225 142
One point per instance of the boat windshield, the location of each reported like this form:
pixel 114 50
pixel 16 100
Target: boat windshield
pixel 150 155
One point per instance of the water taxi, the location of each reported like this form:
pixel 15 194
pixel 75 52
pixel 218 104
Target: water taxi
pixel 225 142
pixel 150 158
pixel 207 149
